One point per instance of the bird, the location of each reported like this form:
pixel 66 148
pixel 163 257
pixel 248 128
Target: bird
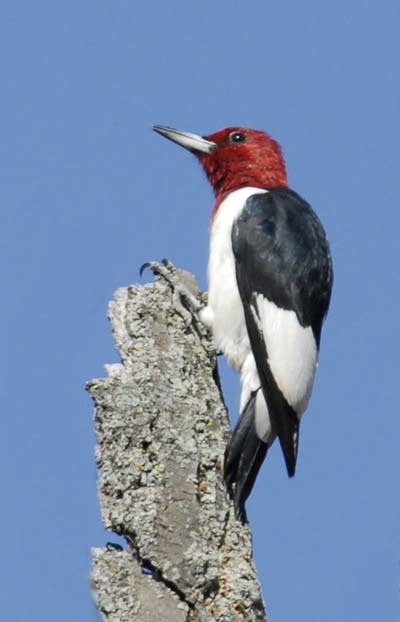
pixel 270 278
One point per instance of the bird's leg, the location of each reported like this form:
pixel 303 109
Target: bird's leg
pixel 185 300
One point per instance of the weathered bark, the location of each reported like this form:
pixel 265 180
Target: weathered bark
pixel 162 429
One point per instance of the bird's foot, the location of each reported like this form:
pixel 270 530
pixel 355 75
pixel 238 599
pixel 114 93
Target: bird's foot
pixel 186 300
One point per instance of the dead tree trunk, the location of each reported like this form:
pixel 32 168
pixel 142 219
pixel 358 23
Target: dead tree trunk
pixel 162 428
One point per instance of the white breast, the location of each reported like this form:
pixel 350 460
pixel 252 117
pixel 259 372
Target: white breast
pixel 225 312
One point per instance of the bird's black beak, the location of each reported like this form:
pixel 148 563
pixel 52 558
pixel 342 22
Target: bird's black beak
pixel 193 142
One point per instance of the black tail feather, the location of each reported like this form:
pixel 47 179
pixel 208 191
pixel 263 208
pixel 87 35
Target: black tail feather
pixel 244 456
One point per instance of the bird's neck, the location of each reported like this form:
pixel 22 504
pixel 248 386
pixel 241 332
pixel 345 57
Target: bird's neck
pixel 262 183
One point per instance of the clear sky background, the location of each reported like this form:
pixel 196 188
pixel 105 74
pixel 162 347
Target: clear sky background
pixel 88 193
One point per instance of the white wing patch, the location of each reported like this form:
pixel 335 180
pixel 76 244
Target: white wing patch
pixel 291 350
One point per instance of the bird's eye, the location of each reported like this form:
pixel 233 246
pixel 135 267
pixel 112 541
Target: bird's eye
pixel 237 137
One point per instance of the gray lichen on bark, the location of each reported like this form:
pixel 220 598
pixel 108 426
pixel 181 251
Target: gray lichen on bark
pixel 162 428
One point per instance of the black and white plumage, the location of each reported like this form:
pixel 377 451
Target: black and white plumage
pixel 270 278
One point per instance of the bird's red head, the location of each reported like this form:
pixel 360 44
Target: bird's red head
pixel 243 157
pixel 234 157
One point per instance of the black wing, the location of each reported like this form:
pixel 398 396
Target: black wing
pixel 281 252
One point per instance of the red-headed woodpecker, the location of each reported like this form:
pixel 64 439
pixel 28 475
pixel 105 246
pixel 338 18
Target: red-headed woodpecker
pixel 270 279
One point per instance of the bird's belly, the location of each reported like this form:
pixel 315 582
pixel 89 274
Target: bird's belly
pixel 225 314
pixel 228 323
pixel 225 310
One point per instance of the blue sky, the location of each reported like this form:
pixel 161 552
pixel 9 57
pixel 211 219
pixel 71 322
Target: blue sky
pixel 88 193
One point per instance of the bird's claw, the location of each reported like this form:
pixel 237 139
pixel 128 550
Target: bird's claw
pixel 185 301
pixel 144 267
pixel 158 268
